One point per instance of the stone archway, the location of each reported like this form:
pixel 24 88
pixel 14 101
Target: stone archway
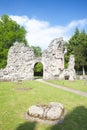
pixel 38 70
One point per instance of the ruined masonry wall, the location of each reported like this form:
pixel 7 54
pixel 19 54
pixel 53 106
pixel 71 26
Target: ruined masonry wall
pixel 21 61
pixel 53 58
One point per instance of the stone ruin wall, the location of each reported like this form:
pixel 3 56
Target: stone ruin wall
pixel 21 61
pixel 70 72
pixel 53 58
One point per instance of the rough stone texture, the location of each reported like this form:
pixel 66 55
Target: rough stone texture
pixel 53 58
pixel 21 61
pixel 53 111
pixel 69 73
pixel 36 111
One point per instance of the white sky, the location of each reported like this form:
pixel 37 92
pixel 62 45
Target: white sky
pixel 40 33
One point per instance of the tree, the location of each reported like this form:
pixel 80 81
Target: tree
pixel 37 50
pixel 10 32
pixel 80 57
pixel 71 44
pixel 77 45
pixel 38 69
pixel 81 52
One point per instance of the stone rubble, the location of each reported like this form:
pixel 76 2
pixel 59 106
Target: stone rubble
pixel 53 112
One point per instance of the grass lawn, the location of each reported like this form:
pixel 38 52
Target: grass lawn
pixel 16 97
pixel 77 84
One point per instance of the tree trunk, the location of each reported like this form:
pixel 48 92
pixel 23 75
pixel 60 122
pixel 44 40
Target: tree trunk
pixel 83 70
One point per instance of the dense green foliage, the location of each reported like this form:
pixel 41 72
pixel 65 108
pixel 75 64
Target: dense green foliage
pixel 16 98
pixel 38 69
pixel 77 45
pixel 10 32
pixel 37 50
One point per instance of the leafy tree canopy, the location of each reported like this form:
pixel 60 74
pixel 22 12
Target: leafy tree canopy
pixel 10 32
pixel 38 69
pixel 77 45
pixel 37 50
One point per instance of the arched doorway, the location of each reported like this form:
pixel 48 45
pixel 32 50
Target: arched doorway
pixel 38 70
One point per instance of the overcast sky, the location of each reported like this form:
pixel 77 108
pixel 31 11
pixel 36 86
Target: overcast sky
pixel 45 20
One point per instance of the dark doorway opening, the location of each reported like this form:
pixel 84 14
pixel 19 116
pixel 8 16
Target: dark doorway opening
pixel 66 77
pixel 38 70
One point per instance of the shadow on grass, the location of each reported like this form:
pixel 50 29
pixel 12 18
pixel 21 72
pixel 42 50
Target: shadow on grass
pixel 76 120
pixel 27 126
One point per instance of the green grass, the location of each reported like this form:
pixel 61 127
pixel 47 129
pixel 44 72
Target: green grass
pixel 14 102
pixel 77 84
